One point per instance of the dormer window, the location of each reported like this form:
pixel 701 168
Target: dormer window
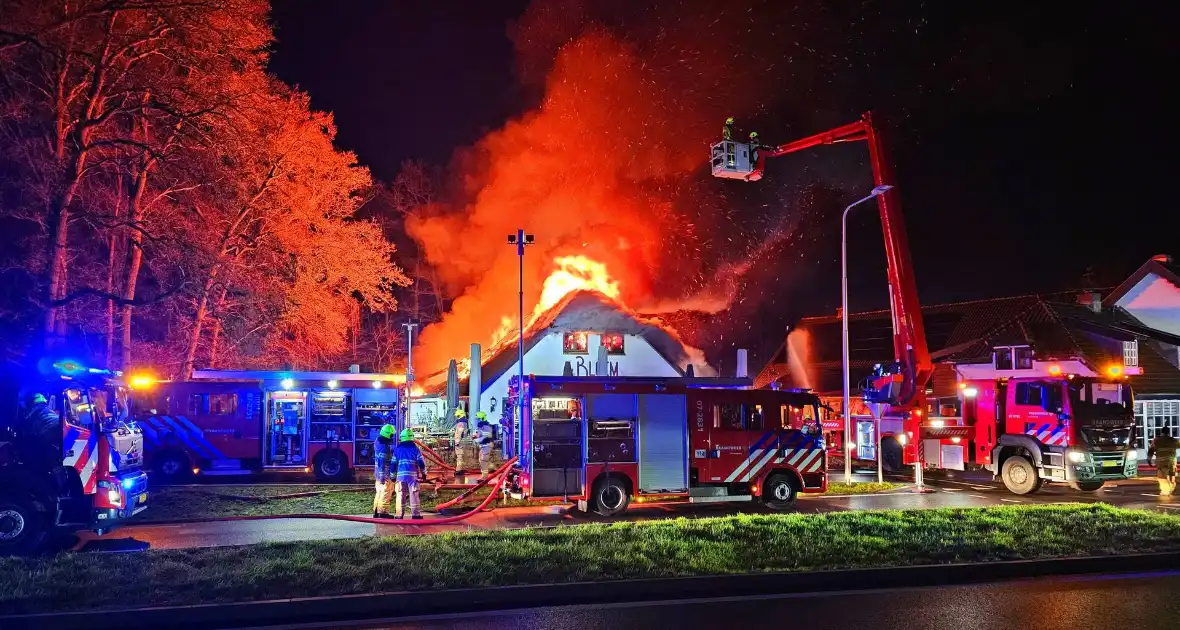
pixel 1131 353
pixel 1013 358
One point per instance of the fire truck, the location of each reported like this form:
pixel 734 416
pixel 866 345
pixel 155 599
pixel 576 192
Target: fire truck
pixel 1068 425
pixel 226 423
pixel 600 441
pixel 83 475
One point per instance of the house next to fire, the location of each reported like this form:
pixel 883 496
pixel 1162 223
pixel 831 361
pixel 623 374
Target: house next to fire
pixel 1014 336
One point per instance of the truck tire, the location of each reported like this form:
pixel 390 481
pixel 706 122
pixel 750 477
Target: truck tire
pixel 891 455
pixel 609 497
pixel 779 492
pixel 1086 486
pixel 331 466
pixel 1020 475
pixel 23 528
pixel 171 467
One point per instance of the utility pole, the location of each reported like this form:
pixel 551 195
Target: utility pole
pixel 520 239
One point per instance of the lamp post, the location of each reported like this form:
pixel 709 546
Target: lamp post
pixel 844 325
pixel 409 326
pixel 520 239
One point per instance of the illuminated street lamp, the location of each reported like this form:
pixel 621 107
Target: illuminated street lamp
pixel 520 239
pixel 844 315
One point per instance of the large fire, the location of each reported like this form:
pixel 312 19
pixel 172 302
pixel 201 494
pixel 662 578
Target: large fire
pixel 605 171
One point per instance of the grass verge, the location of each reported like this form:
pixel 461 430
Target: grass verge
pixel 178 504
pixel 680 547
pixel 868 487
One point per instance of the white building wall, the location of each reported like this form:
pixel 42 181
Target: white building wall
pixel 547 358
pixel 1155 302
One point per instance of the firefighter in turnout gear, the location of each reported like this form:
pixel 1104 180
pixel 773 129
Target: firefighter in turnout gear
pixel 727 130
pixel 383 448
pixel 1163 448
pixel 41 431
pixel 409 467
pixel 460 440
pixel 484 438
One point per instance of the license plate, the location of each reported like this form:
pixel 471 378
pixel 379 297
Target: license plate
pixel 1110 464
pixel 142 498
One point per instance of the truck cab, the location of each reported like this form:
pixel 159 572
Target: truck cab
pixel 70 455
pixel 1061 428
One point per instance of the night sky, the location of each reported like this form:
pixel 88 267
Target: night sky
pixel 1031 143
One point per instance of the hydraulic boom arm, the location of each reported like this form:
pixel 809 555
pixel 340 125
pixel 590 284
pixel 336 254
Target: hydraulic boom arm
pixel 909 338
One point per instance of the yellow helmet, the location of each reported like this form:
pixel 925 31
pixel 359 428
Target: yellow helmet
pixel 481 415
pixel 460 414
pixel 729 121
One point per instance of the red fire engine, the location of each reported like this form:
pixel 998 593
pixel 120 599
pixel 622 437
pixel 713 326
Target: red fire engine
pixel 247 422
pixel 1068 425
pixel 601 441
pixel 90 478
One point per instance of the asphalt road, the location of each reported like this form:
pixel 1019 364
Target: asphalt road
pixel 959 490
pixel 1141 602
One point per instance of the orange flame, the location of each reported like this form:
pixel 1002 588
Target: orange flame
pixel 572 274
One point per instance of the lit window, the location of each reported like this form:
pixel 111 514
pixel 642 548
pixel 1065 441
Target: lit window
pixel 1131 353
pixel 223 404
pixel 613 342
pixel 576 343
pixel 1024 357
pixel 1003 358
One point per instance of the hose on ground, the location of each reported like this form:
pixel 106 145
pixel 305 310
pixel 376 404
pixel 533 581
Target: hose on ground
pixel 502 471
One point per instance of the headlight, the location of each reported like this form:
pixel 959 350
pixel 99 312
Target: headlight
pixel 1132 454
pixel 1077 457
pixel 114 496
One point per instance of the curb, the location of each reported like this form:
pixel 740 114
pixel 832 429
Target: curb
pixel 381 606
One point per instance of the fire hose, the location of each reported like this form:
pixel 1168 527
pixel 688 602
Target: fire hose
pixel 499 475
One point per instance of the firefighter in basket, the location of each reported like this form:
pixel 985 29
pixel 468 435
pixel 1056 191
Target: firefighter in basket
pixel 1163 449
pixel 484 437
pixel 383 448
pixel 409 468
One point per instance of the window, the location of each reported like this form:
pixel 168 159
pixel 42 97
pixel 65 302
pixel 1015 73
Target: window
pixel 1131 353
pixel 1003 358
pixel 196 405
pixel 223 404
pixel 613 342
pixel 1024 358
pixel 1013 358
pixel 1155 417
pixel 576 343
pixel 1028 394
pixel 755 418
pixel 727 416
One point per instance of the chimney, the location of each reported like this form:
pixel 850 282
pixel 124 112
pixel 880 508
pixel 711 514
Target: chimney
pixel 1091 299
pixel 474 380
pixel 743 363
pixel 689 372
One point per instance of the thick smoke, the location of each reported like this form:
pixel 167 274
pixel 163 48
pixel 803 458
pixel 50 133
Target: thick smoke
pixel 606 165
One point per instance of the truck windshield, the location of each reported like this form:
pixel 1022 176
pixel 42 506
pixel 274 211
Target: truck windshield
pixel 1102 412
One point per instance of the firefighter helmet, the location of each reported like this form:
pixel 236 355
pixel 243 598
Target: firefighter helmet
pixel 460 414
pixel 481 415
pixel 39 399
pixel 729 121
pixel 406 435
pixel 388 431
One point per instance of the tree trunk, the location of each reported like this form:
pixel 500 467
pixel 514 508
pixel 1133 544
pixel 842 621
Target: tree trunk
pixel 216 328
pixel 59 241
pixel 134 256
pixel 190 355
pixel 113 259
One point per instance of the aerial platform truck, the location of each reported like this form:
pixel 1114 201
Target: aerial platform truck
pixel 1063 423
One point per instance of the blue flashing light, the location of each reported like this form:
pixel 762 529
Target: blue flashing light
pixel 127 483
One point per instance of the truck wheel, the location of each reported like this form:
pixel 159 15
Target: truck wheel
pixel 779 492
pixel 1086 486
pixel 172 467
pixel 891 456
pixel 1020 476
pixel 331 467
pixel 609 497
pixel 22 528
